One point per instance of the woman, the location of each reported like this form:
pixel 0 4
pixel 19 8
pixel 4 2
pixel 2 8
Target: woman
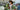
pixel 11 3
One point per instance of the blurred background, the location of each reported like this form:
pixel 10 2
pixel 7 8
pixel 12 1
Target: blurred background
pixel 4 4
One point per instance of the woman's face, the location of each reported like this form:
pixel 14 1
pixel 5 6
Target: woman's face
pixel 10 2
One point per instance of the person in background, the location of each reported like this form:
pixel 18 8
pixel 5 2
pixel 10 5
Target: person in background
pixel 18 6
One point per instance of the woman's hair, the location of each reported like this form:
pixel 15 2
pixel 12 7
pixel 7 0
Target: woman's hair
pixel 11 2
